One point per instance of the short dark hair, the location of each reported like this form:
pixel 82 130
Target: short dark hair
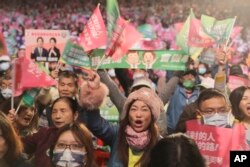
pixel 39 38
pixel 209 94
pixel 53 39
pixel 176 150
pixel 235 98
pixel 68 74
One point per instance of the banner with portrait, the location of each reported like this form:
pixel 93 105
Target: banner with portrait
pixel 45 45
pixel 143 59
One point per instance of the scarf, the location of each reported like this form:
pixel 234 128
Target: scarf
pixel 137 141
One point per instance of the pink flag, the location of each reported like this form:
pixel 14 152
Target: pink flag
pixel 236 31
pixel 123 38
pixel 94 34
pixel 28 75
pixel 196 36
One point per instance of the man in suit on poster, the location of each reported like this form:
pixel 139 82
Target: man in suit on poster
pixel 39 53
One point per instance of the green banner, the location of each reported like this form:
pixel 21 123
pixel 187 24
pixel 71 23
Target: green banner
pixel 75 55
pixel 218 29
pixel 157 59
pixel 28 97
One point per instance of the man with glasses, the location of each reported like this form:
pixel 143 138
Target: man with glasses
pixel 211 107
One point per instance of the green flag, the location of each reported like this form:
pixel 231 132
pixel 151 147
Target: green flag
pixel 28 97
pixel 112 15
pixel 219 30
pixel 75 55
pixel 182 37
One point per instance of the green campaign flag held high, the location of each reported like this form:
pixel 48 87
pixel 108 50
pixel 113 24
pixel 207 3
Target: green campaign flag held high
pixel 112 14
pixel 28 97
pixel 182 37
pixel 74 55
pixel 219 30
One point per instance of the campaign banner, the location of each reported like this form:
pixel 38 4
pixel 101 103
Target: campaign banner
pixel 140 59
pixel 94 34
pixel 75 55
pixel 215 143
pixel 45 45
pixel 218 29
pixel 235 82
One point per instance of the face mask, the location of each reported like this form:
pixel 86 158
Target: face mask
pixel 68 158
pixel 220 120
pixel 7 93
pixel 201 70
pixel 188 84
pixel 4 66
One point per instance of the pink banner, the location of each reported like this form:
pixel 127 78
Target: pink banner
pixel 196 37
pixel 94 34
pixel 123 38
pixel 28 75
pixel 215 143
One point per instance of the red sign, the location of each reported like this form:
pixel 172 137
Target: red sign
pixel 215 143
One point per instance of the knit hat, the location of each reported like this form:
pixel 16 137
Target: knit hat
pixel 142 82
pixel 149 97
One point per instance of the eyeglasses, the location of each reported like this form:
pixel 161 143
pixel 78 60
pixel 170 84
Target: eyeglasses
pixel 212 111
pixel 70 146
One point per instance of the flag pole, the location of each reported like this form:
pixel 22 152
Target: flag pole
pixel 225 47
pixel 13 82
pixel 100 63
pixel 18 107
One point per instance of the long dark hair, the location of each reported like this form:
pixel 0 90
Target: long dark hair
pixel 12 140
pixel 235 98
pixel 123 145
pixel 83 136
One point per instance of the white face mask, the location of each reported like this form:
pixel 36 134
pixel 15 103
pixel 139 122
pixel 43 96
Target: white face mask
pixel 7 93
pixel 220 120
pixel 4 66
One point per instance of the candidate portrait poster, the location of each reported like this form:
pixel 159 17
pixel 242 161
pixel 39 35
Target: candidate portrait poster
pixel 45 45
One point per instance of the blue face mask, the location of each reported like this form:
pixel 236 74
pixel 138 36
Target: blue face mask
pixel 202 70
pixel 68 158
